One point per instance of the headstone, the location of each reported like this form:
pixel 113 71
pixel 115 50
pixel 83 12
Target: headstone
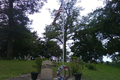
pixel 46 70
pixel 28 57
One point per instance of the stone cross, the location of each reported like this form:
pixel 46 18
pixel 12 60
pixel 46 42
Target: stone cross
pixel 46 70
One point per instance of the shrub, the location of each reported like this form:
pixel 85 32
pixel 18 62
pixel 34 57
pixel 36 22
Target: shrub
pixel 76 65
pixel 107 62
pixel 38 63
pixel 116 61
pixel 102 62
pixel 90 66
pixel 55 64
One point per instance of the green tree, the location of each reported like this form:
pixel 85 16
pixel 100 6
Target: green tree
pixel 107 25
pixel 3 41
pixel 26 43
pixel 52 49
pixel 87 45
pixel 71 15
pixel 13 13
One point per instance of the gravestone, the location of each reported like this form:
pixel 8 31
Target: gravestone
pixel 46 70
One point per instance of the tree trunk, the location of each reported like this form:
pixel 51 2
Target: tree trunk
pixel 10 34
pixel 10 47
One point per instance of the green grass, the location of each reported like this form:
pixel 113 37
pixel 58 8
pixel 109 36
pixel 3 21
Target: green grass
pixel 13 68
pixel 103 72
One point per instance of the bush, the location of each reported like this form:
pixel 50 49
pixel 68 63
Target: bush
pixel 102 62
pixel 55 64
pixel 116 61
pixel 38 63
pixel 91 66
pixel 107 62
pixel 76 65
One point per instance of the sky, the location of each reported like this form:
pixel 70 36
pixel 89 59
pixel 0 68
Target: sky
pixel 40 20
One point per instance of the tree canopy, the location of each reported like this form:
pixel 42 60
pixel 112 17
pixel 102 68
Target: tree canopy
pixel 98 34
pixel 71 15
pixel 13 15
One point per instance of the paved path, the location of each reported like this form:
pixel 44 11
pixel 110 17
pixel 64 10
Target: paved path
pixel 28 77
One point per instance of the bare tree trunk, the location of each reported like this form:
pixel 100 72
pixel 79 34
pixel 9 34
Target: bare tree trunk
pixel 10 35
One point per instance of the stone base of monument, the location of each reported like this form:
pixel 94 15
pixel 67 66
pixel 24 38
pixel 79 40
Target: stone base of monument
pixel 46 70
pixel 34 75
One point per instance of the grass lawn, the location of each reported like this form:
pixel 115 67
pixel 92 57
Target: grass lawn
pixel 12 68
pixel 103 72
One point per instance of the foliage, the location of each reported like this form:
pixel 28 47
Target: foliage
pixel 52 49
pixel 106 23
pixel 24 44
pixel 38 63
pixel 55 64
pixel 107 62
pixel 87 45
pixel 55 32
pixel 76 65
pixel 29 43
pixel 90 66
pixel 98 33
pixel 13 18
pixel 116 60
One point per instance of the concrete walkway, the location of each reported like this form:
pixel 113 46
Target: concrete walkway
pixel 28 77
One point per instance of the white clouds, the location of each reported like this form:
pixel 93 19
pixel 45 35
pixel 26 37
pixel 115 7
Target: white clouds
pixel 44 18
pixel 90 5
pixel 105 58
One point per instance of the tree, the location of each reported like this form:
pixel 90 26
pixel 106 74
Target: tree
pixel 71 16
pixel 3 41
pixel 13 13
pixel 53 49
pixel 107 24
pixel 87 45
pixel 26 43
pixel 48 49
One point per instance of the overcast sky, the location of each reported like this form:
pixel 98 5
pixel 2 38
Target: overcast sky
pixel 43 18
pixel 40 20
